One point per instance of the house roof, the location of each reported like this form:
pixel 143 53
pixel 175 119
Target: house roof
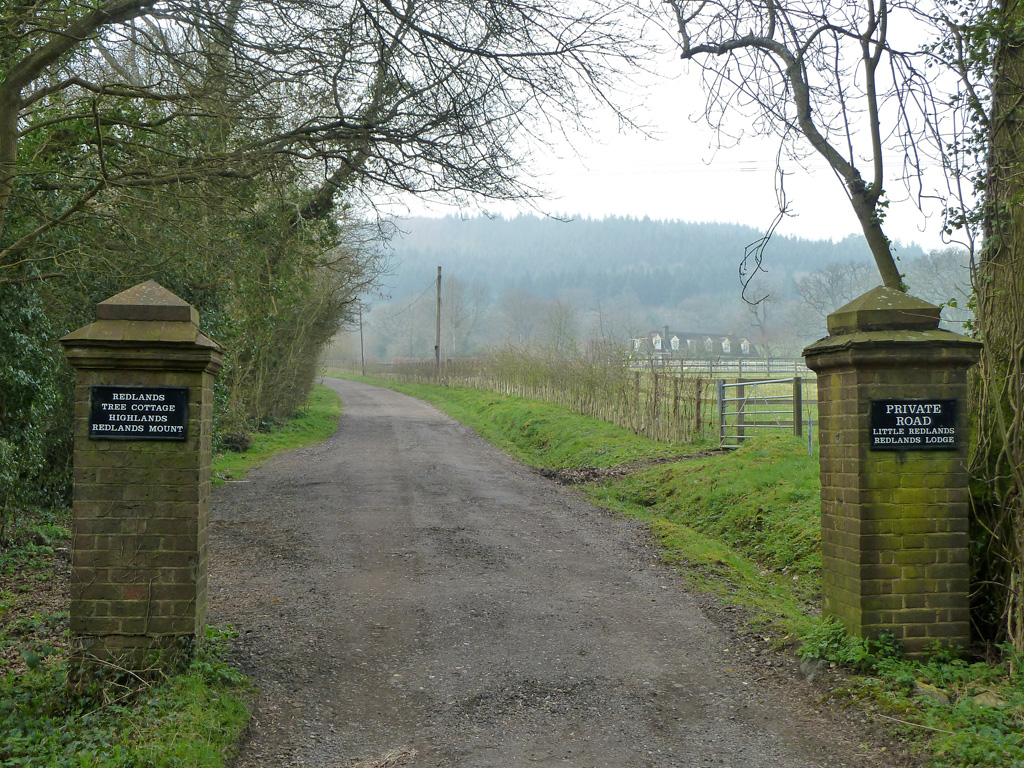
pixel 696 343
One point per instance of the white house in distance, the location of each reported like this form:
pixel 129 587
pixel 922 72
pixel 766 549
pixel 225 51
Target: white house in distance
pixel 664 345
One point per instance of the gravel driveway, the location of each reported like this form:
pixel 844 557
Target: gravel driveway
pixel 408 595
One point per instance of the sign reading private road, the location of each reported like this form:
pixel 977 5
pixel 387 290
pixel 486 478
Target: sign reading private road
pixel 138 413
pixel 904 425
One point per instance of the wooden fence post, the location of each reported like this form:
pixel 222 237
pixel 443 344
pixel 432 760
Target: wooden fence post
pixel 698 401
pixel 675 408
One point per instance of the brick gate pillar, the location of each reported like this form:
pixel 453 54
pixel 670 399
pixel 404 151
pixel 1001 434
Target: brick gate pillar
pixel 892 413
pixel 143 418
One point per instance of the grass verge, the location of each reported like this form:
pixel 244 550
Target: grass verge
pixel 745 526
pixel 313 424
pixel 190 719
pixel 193 718
pixel 741 525
pixel 539 433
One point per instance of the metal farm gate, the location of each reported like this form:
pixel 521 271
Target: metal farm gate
pixel 746 408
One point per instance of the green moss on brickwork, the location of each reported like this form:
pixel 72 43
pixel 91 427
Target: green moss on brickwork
pixel 903 510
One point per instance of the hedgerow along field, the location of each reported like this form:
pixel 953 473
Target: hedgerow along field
pixel 744 526
pixel 193 718
pixel 665 404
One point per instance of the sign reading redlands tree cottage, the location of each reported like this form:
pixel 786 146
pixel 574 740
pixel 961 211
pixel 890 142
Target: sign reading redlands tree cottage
pixel 903 425
pixel 138 413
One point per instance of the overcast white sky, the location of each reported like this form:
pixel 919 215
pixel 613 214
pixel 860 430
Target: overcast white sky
pixel 680 175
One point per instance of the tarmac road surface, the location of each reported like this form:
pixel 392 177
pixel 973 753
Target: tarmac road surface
pixel 409 596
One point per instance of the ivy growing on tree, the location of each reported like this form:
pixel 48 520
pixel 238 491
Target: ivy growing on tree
pixel 232 150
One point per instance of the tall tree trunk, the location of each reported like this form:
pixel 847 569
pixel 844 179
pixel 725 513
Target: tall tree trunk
pixel 8 151
pixel 998 463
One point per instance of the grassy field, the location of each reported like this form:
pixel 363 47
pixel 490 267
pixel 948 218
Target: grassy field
pixel 191 719
pixel 744 525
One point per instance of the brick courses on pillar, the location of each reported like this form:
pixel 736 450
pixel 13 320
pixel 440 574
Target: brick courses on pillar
pixel 141 508
pixel 894 523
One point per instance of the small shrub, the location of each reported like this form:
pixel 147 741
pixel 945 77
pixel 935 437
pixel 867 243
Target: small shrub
pixel 237 442
pixel 828 640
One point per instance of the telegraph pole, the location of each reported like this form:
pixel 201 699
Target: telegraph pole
pixel 437 344
pixel 362 357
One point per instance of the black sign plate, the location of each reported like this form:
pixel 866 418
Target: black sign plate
pixel 914 425
pixel 138 413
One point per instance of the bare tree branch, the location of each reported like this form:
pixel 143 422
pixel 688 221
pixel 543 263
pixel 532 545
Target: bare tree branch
pixel 813 71
pixel 353 97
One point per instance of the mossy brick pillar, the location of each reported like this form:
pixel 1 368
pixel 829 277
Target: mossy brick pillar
pixel 143 417
pixel 892 413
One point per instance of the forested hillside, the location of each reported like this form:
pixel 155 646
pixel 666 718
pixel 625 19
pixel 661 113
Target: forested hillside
pixel 554 282
pixel 663 262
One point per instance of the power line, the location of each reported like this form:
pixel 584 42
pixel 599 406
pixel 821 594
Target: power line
pixel 430 286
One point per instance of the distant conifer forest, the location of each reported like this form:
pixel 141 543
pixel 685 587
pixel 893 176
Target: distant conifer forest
pixel 536 280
